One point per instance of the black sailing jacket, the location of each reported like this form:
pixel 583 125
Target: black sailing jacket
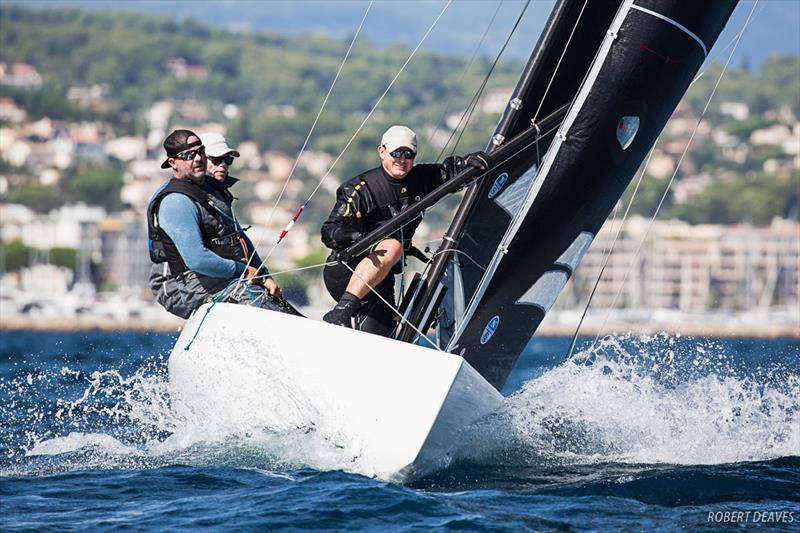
pixel 379 197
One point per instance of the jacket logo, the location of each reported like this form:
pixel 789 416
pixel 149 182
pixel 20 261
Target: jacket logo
pixel 490 328
pixel 498 184
pixel 627 127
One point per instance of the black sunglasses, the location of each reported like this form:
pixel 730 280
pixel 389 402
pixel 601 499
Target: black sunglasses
pixel 227 159
pixel 403 152
pixel 191 154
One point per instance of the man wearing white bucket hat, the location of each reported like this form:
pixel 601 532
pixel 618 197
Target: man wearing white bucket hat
pixel 196 243
pixel 362 204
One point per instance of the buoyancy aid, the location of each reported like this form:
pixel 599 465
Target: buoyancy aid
pixel 392 198
pixel 219 228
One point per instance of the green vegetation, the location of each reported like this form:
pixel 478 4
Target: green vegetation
pixel 755 199
pixel 90 185
pixel 278 83
pixel 96 186
pixel 14 256
pixel 777 84
pixel 259 72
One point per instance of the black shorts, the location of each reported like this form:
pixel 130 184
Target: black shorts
pixel 374 315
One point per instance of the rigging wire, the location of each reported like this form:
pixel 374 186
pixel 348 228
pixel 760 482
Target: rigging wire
pixel 403 319
pixel 610 250
pixel 674 174
pixel 711 59
pixel 311 131
pixel 461 78
pixel 322 107
pixel 467 115
pixel 465 254
pixel 558 65
pixel 358 130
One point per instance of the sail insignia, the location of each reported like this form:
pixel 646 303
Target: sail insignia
pixel 626 131
pixel 498 184
pixel 490 328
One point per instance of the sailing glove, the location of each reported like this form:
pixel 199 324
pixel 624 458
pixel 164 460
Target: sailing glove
pixel 455 165
pixel 344 237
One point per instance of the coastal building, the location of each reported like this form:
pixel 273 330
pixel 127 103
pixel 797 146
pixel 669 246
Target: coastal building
pixel 123 249
pixel 702 268
pixel 20 75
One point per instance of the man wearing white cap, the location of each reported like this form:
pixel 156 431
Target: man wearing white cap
pixel 196 244
pixel 219 156
pixel 362 204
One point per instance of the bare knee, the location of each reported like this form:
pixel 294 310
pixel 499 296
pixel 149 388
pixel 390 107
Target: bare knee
pixel 388 252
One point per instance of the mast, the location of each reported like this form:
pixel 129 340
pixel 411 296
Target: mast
pixel 470 175
pixel 529 97
pixel 533 215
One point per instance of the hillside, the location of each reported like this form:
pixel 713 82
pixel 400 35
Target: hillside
pixel 119 69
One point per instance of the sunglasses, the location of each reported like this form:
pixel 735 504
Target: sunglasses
pixel 191 154
pixel 227 159
pixel 400 152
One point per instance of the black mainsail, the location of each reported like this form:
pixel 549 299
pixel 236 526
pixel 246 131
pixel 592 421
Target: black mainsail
pixel 596 93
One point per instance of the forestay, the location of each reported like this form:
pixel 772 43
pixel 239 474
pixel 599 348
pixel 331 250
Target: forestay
pixel 522 230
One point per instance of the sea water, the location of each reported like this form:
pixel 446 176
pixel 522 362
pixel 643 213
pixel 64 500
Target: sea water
pixel 631 433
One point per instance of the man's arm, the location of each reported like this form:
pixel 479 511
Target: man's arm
pixel 343 226
pixel 179 217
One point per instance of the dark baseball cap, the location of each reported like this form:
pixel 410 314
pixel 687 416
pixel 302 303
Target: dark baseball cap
pixel 176 142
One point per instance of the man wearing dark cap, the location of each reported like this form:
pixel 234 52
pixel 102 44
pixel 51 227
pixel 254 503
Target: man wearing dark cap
pixel 196 244
pixel 362 204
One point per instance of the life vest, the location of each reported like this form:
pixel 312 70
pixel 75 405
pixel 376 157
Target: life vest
pixel 390 200
pixel 219 228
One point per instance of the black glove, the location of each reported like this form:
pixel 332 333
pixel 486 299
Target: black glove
pixel 344 237
pixel 479 160
pixel 455 165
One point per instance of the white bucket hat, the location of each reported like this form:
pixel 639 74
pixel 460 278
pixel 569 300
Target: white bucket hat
pixel 215 144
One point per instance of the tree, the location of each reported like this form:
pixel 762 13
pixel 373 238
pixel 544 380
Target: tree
pixel 96 186
pixel 15 256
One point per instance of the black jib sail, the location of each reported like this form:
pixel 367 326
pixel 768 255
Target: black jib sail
pixel 536 213
pixel 596 93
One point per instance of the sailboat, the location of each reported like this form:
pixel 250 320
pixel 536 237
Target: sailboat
pixel 600 85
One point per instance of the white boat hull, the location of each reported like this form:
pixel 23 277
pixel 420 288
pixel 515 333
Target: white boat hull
pixel 399 406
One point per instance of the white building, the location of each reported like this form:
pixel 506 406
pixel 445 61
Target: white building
pixel 62 227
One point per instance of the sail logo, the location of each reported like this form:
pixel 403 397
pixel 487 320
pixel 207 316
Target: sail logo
pixel 498 184
pixel 490 328
pixel 626 130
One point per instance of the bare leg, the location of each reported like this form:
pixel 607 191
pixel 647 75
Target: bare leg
pixel 374 268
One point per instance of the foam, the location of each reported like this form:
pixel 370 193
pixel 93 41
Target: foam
pixel 647 400
pixel 627 400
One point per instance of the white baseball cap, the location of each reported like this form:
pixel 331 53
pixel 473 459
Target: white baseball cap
pixel 215 144
pixel 399 137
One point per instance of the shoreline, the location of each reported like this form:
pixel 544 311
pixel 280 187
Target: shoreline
pixel 174 325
